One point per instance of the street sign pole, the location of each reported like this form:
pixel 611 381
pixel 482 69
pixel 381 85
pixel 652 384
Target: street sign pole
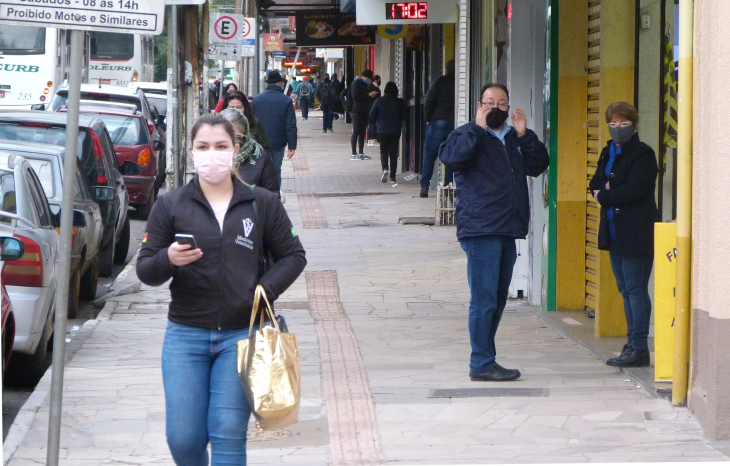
pixel 64 263
pixel 177 151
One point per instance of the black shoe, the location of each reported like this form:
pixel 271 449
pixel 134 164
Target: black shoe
pixel 624 350
pixel 496 373
pixel 635 357
pixel 424 192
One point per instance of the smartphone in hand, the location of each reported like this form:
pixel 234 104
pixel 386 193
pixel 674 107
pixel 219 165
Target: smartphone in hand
pixel 186 239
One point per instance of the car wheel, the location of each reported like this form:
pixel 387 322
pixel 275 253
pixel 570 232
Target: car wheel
pixel 122 247
pixel 74 284
pixel 26 370
pixel 143 211
pixel 106 259
pixel 89 281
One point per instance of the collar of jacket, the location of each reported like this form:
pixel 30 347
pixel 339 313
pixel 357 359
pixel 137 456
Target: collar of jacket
pixel 473 124
pixel 241 192
pixel 274 87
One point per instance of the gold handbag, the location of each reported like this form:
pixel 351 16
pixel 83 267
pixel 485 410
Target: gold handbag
pixel 269 370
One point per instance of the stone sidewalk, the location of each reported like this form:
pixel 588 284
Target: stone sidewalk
pixel 380 316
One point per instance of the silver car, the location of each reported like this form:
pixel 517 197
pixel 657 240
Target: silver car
pixel 31 280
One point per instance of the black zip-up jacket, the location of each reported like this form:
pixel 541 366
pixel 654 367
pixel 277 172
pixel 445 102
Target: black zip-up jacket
pixel 631 194
pixel 361 100
pixel 440 99
pixel 491 179
pixel 217 290
pixel 260 172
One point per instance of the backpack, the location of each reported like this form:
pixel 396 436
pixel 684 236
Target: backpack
pixel 346 99
pixel 304 90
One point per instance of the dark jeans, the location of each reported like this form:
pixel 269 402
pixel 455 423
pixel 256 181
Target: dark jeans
pixel 389 150
pixel 277 156
pixel 490 260
pixel 304 106
pixel 632 278
pixel 359 126
pixel 328 116
pixel 436 132
pixel 204 400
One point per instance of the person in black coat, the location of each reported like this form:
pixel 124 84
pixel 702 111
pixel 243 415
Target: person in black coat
pixel 362 101
pixel 212 289
pixel 374 86
pixel 624 185
pixel 388 114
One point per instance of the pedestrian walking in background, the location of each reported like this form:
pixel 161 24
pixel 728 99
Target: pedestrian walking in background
pixel 439 115
pixel 252 162
pixel 230 87
pixel 305 93
pixel 492 161
pixel 362 101
pixel 275 111
pixel 388 114
pixel 337 105
pixel 313 84
pixel 212 293
pixel 326 95
pixel 238 100
pixel 372 128
pixel 624 185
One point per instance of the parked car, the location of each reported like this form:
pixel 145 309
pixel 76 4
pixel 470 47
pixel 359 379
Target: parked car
pixel 156 94
pixel 126 95
pixel 132 142
pixel 31 280
pixel 100 165
pixel 10 249
pixel 47 161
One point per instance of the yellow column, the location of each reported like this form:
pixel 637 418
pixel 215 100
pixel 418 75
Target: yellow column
pixel 617 37
pixel 360 60
pixel 684 205
pixel 448 42
pixel 571 134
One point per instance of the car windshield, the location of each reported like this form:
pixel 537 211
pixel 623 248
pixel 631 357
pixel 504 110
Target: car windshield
pixel 40 132
pixel 22 40
pixel 7 194
pixel 123 130
pixel 61 99
pixel 159 103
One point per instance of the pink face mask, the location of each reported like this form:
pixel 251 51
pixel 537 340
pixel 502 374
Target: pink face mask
pixel 213 165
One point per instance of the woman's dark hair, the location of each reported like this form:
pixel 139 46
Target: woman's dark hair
pixel 489 85
pixel 238 95
pixel 228 86
pixel 622 109
pixel 391 89
pixel 213 119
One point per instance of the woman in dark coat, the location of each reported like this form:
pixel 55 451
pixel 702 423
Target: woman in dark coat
pixel 624 185
pixel 388 114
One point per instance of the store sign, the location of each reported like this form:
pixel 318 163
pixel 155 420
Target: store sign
pixel 123 16
pixel 387 12
pixel 273 42
pixel 331 29
pixel 393 31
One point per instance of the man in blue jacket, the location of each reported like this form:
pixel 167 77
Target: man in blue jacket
pixel 275 112
pixel 491 161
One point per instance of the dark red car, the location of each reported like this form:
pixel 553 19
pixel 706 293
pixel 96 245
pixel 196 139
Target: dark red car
pixel 132 141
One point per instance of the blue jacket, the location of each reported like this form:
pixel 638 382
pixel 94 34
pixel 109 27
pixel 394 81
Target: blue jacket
pixel 491 179
pixel 275 112
pixel 388 113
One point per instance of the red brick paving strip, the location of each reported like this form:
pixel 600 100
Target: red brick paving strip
pixel 312 211
pixel 299 162
pixel 353 430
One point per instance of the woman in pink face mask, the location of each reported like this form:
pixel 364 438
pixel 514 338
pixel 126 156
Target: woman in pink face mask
pixel 212 291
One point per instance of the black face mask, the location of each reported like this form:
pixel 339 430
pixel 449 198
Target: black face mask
pixel 496 117
pixel 326 80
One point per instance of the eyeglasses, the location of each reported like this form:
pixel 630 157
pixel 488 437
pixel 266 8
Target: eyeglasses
pixel 501 105
pixel 620 124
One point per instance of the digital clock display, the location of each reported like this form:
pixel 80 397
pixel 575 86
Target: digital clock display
pixel 406 10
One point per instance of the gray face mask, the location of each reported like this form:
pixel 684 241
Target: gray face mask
pixel 621 135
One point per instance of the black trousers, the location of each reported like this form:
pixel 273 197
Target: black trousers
pixel 389 152
pixel 359 127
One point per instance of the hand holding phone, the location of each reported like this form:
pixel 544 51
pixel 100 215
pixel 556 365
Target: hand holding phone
pixel 183 251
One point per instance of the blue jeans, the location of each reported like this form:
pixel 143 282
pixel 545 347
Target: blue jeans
pixel 204 400
pixel 490 260
pixel 304 106
pixel 632 278
pixel 277 156
pixel 328 117
pixel 436 132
